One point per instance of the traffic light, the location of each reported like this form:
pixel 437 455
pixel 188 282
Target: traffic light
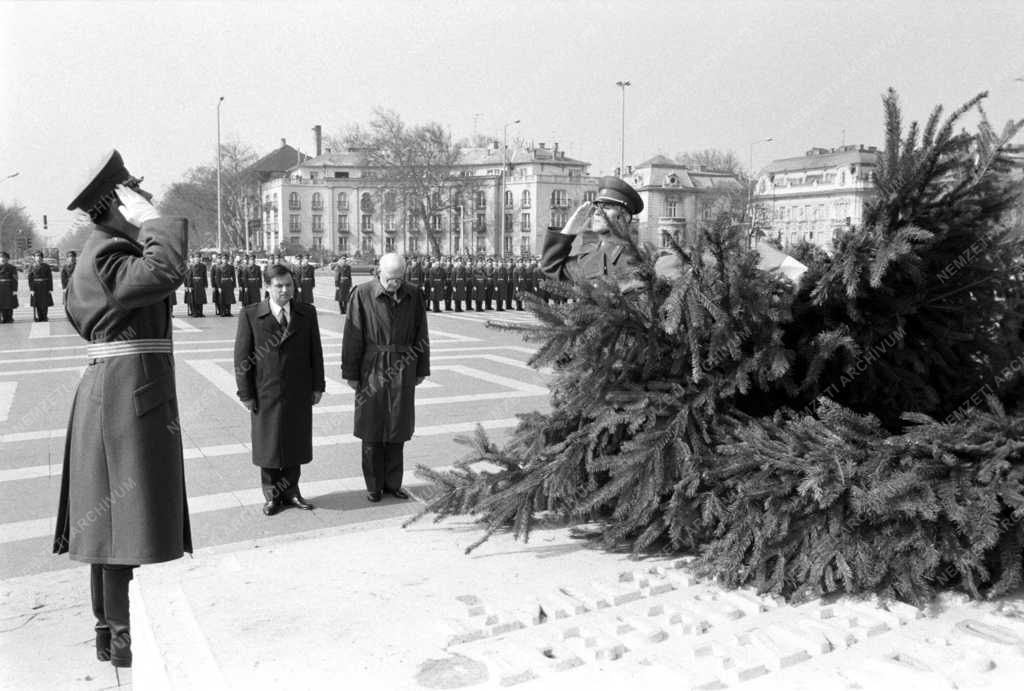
pixel 44 221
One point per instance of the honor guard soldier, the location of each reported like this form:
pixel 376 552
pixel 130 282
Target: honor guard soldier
pixel 509 285
pixel 489 283
pixel 243 287
pixel 609 216
pixel 215 269
pixel 40 283
pixel 500 284
pixel 307 280
pixel 414 274
pixel 253 281
pixel 438 277
pixel 196 295
pixel 8 289
pixel 122 497
pixel 225 286
pixel 342 283
pixel 459 284
pixel 479 277
pixel 537 278
pixel 65 274
pixel 520 282
pixel 448 266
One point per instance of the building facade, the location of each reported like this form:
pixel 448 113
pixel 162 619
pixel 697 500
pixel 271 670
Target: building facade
pixel 814 197
pixel 493 202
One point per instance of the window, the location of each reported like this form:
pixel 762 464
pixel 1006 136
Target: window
pixel 480 225
pixel 341 174
pixel 414 244
pixel 389 243
pixel 294 226
pixel 293 201
pixel 367 244
pixel 589 196
pixel 509 199
pixel 366 223
pixel 480 199
pixel 389 223
pixel 524 245
pixel 318 223
pixel 664 238
pixel 671 208
pixel 507 244
pixel 314 176
pixel 366 203
pixel 559 218
pixel 318 202
pixel 343 223
pixel 705 212
pixel 508 222
pixel 481 243
pixel 343 243
pixel 559 198
pixel 435 199
pixel 525 226
pixel 318 243
pixel 342 201
pixel 455 244
pixel 526 199
pixel 436 223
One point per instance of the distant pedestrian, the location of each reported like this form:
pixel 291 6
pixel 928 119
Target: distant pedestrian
pixel 385 354
pixel 279 370
pixel 8 289
pixel 40 284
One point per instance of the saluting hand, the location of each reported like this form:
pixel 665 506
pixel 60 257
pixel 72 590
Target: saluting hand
pixel 577 223
pixel 135 208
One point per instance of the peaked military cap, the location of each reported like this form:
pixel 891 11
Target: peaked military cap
pixel 617 191
pixel 98 192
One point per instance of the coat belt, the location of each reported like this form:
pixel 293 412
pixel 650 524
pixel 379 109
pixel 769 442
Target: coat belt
pixel 372 348
pixel 134 347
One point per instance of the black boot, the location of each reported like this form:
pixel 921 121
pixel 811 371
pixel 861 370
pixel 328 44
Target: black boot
pixel 115 607
pixel 102 630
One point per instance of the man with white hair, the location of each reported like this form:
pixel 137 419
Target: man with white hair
pixel 385 354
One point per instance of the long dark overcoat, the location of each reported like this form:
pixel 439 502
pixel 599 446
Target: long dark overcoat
pixel 122 497
pixel 385 347
pixel 592 259
pixel 197 284
pixel 8 287
pixel 40 283
pixel 460 286
pixel 253 284
pixel 307 281
pixel 280 370
pixel 225 283
pixel 342 283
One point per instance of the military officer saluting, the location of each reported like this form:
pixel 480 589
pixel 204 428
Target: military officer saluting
pixel 8 289
pixel 609 216
pixel 40 283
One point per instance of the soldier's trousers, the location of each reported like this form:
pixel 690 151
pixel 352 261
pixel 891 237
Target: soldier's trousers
pixel 280 483
pixel 6 316
pixel 109 588
pixel 383 465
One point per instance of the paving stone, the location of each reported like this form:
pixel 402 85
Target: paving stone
pixel 861 623
pixel 779 651
pixel 639 631
pixel 617 594
pixel 813 641
pixel 687 622
pixel 839 637
pixel 507 620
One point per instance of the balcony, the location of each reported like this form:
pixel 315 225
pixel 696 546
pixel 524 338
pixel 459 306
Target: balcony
pixel 294 206
pixel 366 229
pixel 295 230
pixel 318 206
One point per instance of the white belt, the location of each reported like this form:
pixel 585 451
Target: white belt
pixel 133 347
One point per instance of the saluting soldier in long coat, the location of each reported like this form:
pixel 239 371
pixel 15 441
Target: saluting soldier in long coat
pixel 307 280
pixel 8 289
pixel 122 498
pixel 342 283
pixel 279 370
pixel 40 284
pixel 460 286
pixel 385 354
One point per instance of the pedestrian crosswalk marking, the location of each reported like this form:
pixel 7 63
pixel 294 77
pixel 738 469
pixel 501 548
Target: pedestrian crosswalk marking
pixel 7 391
pixel 218 376
pixel 43 527
pixel 179 325
pixel 40 330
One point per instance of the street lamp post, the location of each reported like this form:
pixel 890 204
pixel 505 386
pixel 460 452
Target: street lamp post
pixel 750 172
pixel 500 249
pixel 622 136
pixel 219 231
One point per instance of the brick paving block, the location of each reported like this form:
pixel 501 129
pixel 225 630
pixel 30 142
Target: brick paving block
pixel 639 630
pixel 679 579
pixel 715 612
pixel 862 624
pixel 689 623
pixel 507 620
pixel 555 606
pixel 682 562
pixel 838 636
pixel 732 663
pixel 906 613
pixel 951 661
pixel 590 599
pixel 562 657
pixel 618 594
pixel 459 631
pixel 644 608
pixel 641 578
pixel 813 641
pixel 779 651
pixel 602 641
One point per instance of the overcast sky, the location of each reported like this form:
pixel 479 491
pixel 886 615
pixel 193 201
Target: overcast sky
pixel 80 78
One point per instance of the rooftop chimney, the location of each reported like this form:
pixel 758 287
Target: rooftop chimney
pixel 317 139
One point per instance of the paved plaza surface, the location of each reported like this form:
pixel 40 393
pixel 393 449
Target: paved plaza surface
pixel 345 597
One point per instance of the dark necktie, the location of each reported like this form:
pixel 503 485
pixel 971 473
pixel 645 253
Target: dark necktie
pixel 284 320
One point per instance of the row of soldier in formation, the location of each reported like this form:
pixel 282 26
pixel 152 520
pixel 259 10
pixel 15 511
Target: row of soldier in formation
pixel 40 286
pixel 245 276
pixel 485 283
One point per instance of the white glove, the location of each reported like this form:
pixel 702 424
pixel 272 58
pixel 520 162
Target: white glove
pixel 135 208
pixel 579 220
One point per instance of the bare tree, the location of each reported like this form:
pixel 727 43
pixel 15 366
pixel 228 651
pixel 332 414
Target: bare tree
pixel 713 159
pixel 14 223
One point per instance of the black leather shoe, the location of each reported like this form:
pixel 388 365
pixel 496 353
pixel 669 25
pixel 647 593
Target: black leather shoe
pixel 398 493
pixel 374 496
pixel 298 502
pixel 271 507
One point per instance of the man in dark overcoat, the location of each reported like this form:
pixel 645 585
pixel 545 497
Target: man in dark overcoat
pixel 215 268
pixel 196 278
pixel 306 279
pixel 40 285
pixel 460 293
pixel 480 279
pixel 447 265
pixel 279 370
pixel 437 278
pixel 122 498
pixel 65 273
pixel 342 283
pixel 520 282
pixel 385 354
pixel 500 278
pixel 8 289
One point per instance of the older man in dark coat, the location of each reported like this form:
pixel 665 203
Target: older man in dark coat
pixel 279 369
pixel 385 354
pixel 122 498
